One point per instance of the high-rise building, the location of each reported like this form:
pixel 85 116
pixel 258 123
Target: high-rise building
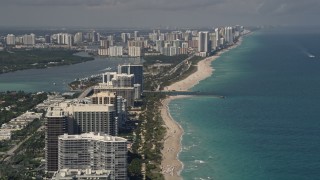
pixel 213 41
pixel 125 92
pixel 78 38
pixel 69 40
pixel 162 37
pixel 29 40
pixel 134 51
pixel 216 31
pixel 136 35
pixel 93 36
pixel 64 39
pixel 19 40
pixel 108 76
pixel 11 39
pixel 123 80
pixel 203 40
pixel 47 38
pixel 94 151
pixel 107 97
pixel 71 118
pixel 185 45
pixel 137 70
pixel 173 51
pixel 124 37
pixel 177 43
pixel 104 44
pixel 159 45
pixel 229 35
pixel 183 51
pixel 95 118
pixel 104 98
pixel 56 125
pixel 116 51
pixel 136 43
pixel 165 51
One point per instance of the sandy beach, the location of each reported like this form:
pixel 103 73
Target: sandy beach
pixel 171 166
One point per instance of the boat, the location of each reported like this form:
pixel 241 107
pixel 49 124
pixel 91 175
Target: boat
pixel 311 56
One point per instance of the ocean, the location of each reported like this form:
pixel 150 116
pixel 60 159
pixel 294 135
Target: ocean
pixel 268 126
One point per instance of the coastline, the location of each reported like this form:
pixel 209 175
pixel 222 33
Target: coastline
pixel 171 165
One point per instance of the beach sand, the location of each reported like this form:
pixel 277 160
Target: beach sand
pixel 171 166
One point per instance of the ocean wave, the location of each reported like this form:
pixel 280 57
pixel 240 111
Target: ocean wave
pixel 199 161
pixel 190 169
pixel 199 178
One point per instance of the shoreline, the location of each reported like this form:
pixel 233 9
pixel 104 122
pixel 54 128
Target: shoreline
pixel 171 166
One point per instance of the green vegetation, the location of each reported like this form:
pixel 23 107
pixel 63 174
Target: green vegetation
pixel 164 59
pixel 26 163
pixel 84 84
pixel 182 73
pixel 28 130
pixel 37 58
pixel 154 135
pixel 13 104
pixel 157 78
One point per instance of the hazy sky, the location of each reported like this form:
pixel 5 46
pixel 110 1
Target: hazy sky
pixel 155 13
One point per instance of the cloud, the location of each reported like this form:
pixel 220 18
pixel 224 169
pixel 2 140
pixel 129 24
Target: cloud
pixel 63 2
pixel 177 5
pixel 288 7
pixel 170 5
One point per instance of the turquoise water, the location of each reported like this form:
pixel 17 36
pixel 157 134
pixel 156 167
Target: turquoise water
pixel 268 125
pixel 57 78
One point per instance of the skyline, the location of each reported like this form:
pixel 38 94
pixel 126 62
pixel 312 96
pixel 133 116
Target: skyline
pixel 157 14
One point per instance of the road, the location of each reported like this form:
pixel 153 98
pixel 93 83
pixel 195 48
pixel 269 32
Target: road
pixel 12 151
pixel 85 93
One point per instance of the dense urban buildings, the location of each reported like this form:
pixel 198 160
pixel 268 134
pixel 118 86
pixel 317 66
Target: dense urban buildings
pixel 81 134
pixel 103 112
pixel 135 43
pixel 136 70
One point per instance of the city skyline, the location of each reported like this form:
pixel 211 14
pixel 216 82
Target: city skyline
pixel 154 14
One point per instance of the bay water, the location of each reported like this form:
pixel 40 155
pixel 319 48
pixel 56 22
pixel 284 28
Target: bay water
pixel 56 79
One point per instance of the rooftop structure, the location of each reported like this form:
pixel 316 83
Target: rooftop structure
pixel 81 174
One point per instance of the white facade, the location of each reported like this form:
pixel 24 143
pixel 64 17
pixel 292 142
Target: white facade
pixel 174 51
pixel 64 39
pixel 95 118
pixel 134 51
pixel 124 37
pixel 203 42
pixel 229 37
pixel 118 80
pixel 81 174
pixel 216 31
pixel 103 52
pixel 29 39
pixel 11 39
pixel 104 44
pixel 93 151
pixel 116 51
pixel 78 38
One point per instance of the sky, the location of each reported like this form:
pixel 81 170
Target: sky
pixel 158 13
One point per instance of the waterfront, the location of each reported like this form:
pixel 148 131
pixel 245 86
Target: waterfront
pixel 267 126
pixel 57 78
